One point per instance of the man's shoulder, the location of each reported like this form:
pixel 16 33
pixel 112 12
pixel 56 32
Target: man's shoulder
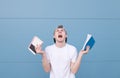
pixel 50 46
pixel 72 49
pixel 70 46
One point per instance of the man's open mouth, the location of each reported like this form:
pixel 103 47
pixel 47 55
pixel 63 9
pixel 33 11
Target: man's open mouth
pixel 60 36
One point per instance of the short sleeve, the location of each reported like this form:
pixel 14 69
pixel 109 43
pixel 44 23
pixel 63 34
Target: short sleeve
pixel 74 55
pixel 47 54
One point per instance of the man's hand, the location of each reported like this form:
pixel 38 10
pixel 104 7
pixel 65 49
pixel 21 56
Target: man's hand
pixel 38 49
pixel 85 51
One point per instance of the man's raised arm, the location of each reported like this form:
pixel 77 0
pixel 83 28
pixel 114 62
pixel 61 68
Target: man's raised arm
pixel 45 62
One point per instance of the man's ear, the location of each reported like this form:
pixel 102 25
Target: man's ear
pixel 66 36
pixel 53 36
pixel 54 39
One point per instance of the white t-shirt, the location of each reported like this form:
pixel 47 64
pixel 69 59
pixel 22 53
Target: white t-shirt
pixel 60 59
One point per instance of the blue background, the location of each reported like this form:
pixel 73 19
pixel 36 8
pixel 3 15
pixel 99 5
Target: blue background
pixel 20 20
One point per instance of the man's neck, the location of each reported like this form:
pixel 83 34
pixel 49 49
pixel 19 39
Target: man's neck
pixel 60 44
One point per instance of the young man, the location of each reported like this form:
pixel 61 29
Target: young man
pixel 61 59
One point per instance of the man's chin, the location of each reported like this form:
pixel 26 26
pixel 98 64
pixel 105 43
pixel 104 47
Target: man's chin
pixel 60 41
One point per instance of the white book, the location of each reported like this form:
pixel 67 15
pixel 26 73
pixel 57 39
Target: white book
pixel 90 41
pixel 35 41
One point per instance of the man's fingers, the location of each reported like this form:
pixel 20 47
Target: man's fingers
pixel 87 48
pixel 38 49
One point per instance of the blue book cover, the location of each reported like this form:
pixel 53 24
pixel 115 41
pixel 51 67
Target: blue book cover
pixel 90 41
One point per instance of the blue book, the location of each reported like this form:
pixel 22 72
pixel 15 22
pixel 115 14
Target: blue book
pixel 90 41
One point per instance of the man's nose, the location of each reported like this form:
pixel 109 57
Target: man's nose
pixel 60 31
